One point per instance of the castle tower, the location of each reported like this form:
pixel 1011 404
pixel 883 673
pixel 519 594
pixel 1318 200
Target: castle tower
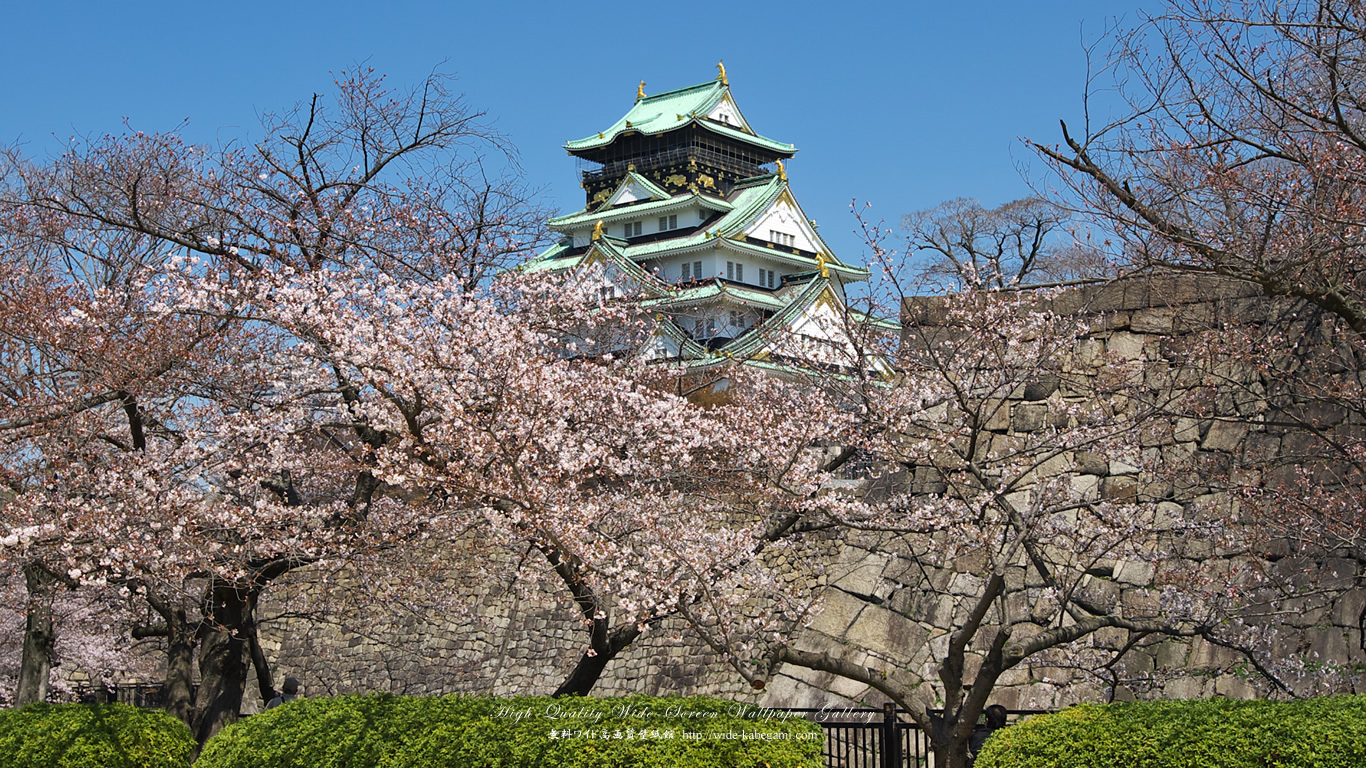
pixel 692 207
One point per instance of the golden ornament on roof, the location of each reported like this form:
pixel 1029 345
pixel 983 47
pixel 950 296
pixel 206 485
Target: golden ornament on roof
pixel 640 91
pixel 721 73
pixel 597 231
pixel 782 172
pixel 825 266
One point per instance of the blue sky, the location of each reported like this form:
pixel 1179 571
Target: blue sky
pixel 899 104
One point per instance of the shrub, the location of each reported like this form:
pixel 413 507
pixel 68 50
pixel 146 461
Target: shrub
pixel 85 736
pixel 382 731
pixel 1223 733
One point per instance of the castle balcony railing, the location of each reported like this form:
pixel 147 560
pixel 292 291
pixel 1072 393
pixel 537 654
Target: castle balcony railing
pixel 678 156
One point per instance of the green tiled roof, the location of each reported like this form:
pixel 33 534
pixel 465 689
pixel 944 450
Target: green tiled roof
pixel 711 289
pixel 760 334
pixel 552 258
pixel 834 264
pixel 751 138
pixel 748 202
pixel 587 216
pixel 656 191
pixel 675 109
pixel 687 346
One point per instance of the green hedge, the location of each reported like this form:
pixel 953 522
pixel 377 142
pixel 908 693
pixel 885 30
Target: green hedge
pixel 85 736
pixel 1220 733
pixel 382 731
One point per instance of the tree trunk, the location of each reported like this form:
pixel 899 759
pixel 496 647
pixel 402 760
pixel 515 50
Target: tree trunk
pixel 180 643
pixel 35 666
pixel 265 682
pixel 951 756
pixel 585 675
pixel 950 749
pixel 224 659
pixel 605 647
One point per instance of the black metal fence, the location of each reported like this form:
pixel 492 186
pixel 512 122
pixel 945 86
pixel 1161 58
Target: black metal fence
pixel 144 695
pixel 876 738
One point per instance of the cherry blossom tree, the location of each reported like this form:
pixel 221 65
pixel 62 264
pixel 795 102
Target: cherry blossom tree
pixel 1000 511
pixel 1239 155
pixel 514 416
pixel 185 503
pixel 80 353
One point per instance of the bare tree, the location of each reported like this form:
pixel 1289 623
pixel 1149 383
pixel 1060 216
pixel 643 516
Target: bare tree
pixel 1240 155
pixel 1024 241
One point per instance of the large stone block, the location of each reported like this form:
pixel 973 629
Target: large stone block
pixel 1104 298
pixel 966 584
pixel 1087 487
pixel 1152 320
pixel 1126 346
pixel 1348 608
pixel 1028 417
pixel 1157 433
pixel 1123 488
pixel 1234 687
pixel 943 611
pixel 1090 463
pixel 860 572
pixel 1134 572
pixel 1224 436
pixel 1037 696
pixel 997 413
pixel 839 609
pixel 1078 692
pixel 1188 688
pixel 1208 656
pixel 1090 352
pixel 1041 387
pixel 1186 430
pixel 1138 604
pixel 1101 592
pixel 888 633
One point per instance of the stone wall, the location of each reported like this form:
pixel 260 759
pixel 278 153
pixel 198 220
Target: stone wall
pixel 876 608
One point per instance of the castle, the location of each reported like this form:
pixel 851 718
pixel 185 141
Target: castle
pixel 691 209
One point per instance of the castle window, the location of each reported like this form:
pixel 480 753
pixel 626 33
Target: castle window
pixel 730 270
pixel 686 267
pixel 668 222
pixel 633 227
pixel 740 272
pixel 697 269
